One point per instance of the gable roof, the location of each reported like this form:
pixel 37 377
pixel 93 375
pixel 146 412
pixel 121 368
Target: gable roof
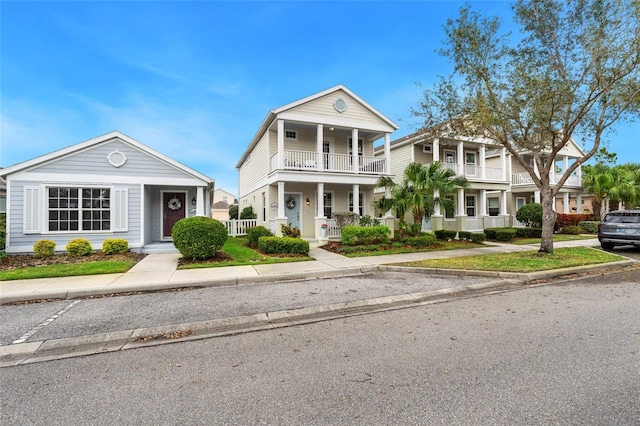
pixel 96 141
pixel 271 116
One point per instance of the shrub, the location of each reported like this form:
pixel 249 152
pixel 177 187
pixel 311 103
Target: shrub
pixel 247 213
pixel 3 230
pixel 199 237
pixel 367 220
pixel 283 245
pixel 529 232
pixel 115 246
pixel 255 233
pixel 572 219
pixel 445 234
pixel 346 218
pixel 571 230
pixel 44 248
pixel 424 240
pixel 477 237
pixel 233 211
pixel 491 233
pixel 358 235
pixel 589 226
pixel 530 214
pixel 505 234
pixel 464 235
pixel 79 247
pixel 290 231
pixel 397 244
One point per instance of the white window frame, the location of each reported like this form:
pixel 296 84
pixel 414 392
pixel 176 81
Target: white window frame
pixel 520 199
pixel 331 205
pixel 294 137
pixel 474 164
pixel 475 205
pixel 453 210
pixel 427 149
pixel 362 204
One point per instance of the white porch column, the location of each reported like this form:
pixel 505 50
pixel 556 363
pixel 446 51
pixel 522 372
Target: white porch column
pixel 535 170
pixel 461 203
pixel 320 190
pixel 356 199
pixel 436 208
pixel 483 202
pixel 460 165
pixel 319 146
pixel 536 196
pixel 436 149
pixel 387 153
pixel 566 163
pixel 552 173
pixel 387 195
pixel 354 151
pixel 483 173
pixel 503 203
pixel 281 200
pixel 565 201
pixel 579 203
pixel 200 202
pixel 281 146
pixel 503 162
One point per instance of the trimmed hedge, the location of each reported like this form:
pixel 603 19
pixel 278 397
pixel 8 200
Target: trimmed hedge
pixel 358 235
pixel 199 237
pixel 283 245
pixel 44 248
pixel 424 240
pixel 445 234
pixel 254 234
pixel 563 220
pixel 505 234
pixel 79 247
pixel 115 246
pixel 571 230
pixel 589 226
pixel 528 232
pixel 477 237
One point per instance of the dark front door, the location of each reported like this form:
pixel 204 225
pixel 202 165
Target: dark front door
pixel 173 210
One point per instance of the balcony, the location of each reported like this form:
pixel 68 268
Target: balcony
pixel 342 163
pixel 474 172
pixel 525 179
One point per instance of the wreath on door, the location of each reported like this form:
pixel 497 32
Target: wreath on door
pixel 174 204
pixel 291 203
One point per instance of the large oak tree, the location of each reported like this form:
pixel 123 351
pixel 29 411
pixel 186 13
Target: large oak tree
pixel 573 69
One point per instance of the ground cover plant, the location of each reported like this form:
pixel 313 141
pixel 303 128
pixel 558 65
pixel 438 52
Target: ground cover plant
pixel 524 261
pixel 397 246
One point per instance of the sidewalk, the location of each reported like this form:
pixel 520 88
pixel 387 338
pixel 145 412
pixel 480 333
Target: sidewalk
pixel 158 272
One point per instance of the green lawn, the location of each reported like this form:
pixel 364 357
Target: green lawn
pixel 448 245
pixel 242 255
pixel 556 238
pixel 524 261
pixel 66 270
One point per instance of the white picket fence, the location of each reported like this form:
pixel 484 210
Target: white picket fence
pixel 239 227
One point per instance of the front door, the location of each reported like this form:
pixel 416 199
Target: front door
pixel 173 210
pixel 292 210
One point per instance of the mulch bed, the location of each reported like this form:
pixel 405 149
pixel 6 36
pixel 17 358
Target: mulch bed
pixel 27 261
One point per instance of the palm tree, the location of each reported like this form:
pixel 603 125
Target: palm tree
pixel 625 187
pixel 597 180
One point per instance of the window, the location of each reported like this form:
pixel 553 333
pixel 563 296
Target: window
pixel 360 147
pixel 470 201
pixel 3 204
pixel 494 206
pixel 520 201
pixel 450 212
pixel 79 209
pixel 361 201
pixel 291 134
pixel 224 198
pixel 264 206
pixel 328 204
pixel 426 148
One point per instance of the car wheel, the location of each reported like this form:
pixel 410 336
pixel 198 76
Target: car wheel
pixel 607 246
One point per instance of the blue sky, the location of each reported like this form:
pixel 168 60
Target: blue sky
pixel 194 80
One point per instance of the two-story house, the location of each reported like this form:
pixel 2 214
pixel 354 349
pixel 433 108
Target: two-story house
pixel 313 157
pixel 483 204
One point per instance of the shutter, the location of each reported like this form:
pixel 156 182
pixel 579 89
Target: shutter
pixel 32 210
pixel 120 210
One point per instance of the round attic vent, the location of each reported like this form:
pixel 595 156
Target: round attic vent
pixel 340 105
pixel 116 158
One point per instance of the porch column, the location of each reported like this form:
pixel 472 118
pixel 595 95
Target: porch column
pixel 281 200
pixel 461 170
pixel 565 201
pixel 503 162
pixel 536 196
pixel 483 174
pixel 535 169
pixel 436 207
pixel 483 202
pixel 356 199
pixel 280 149
pixel 436 149
pixel 387 195
pixel 319 146
pixel 320 189
pixel 200 202
pixel 461 203
pixel 503 203
pixel 579 203
pixel 387 153
pixel 354 152
pixel 552 173
pixel 565 160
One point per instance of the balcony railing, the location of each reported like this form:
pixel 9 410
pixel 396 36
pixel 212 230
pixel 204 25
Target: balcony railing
pixel 474 172
pixel 526 179
pixel 309 161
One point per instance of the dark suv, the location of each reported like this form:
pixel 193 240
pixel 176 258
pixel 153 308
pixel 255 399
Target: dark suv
pixel 618 228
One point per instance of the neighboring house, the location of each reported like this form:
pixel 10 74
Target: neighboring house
pixel 314 157
pixel 484 203
pixel 3 194
pixel 498 185
pixel 222 200
pixel 108 187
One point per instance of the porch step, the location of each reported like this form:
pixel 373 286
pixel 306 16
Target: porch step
pixel 156 248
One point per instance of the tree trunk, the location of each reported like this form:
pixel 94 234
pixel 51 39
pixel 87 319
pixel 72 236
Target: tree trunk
pixel 548 221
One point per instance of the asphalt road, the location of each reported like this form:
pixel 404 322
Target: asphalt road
pixel 566 353
pixel 627 251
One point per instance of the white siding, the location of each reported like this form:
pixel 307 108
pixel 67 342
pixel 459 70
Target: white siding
pixel 256 167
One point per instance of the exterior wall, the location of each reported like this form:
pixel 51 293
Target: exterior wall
pixel 255 168
pixel 254 199
pixel 18 242
pixel 218 195
pixel 400 157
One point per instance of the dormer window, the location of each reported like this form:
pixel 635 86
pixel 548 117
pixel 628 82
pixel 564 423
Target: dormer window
pixel 426 148
pixel 291 134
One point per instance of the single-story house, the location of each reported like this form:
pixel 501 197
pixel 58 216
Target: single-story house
pixel 111 186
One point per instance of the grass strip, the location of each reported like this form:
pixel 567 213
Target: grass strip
pixel 556 238
pixel 66 270
pixel 523 261
pixel 440 246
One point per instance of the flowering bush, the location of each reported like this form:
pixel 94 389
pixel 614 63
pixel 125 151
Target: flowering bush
pixel 323 226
